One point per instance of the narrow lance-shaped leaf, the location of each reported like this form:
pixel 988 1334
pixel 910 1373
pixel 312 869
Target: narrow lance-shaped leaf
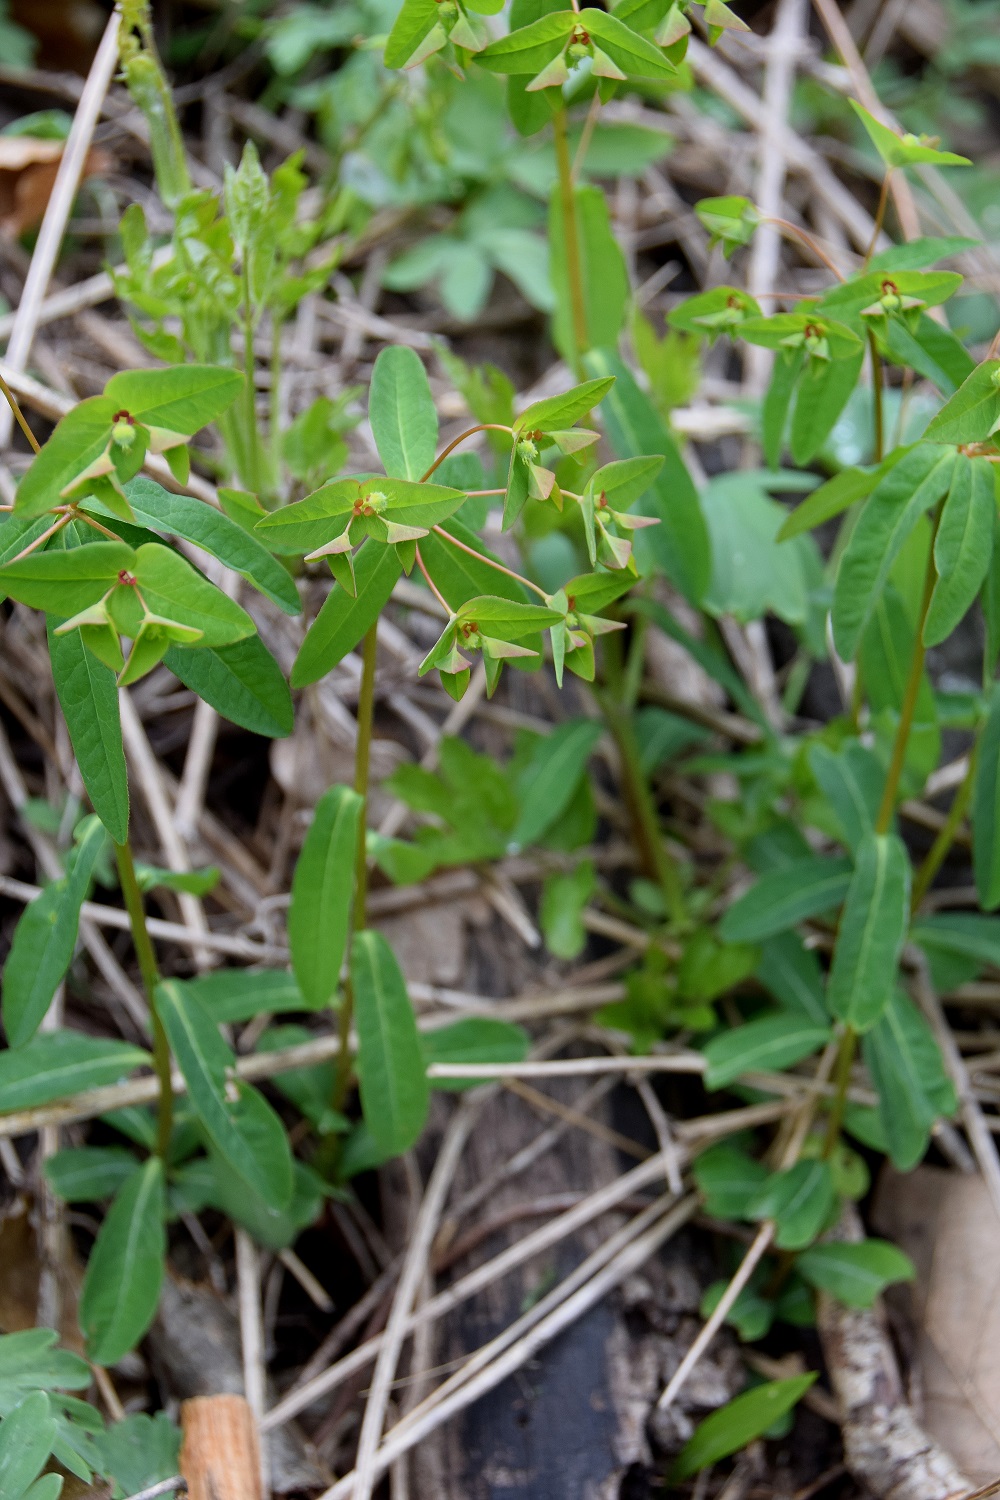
pixel 88 697
pixel 872 931
pixel 26 1437
pixel 986 808
pixel 343 620
pixel 391 1072
pixel 963 547
pixel 769 1044
pixel 121 1288
pixel 914 1091
pixel 322 893
pixel 45 938
pixel 555 774
pixel 59 1063
pixel 780 899
pixel 738 1423
pixel 973 412
pixel 242 682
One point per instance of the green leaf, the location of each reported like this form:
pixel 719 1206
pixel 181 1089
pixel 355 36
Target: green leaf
pixel 45 937
pixel 210 529
pixel 602 272
pixel 531 47
pixel 206 1062
pixel 972 414
pixel 738 1423
pixel 890 513
pixel 27 1435
pixel 402 413
pixel 791 972
pixel 60 1063
pixel 679 545
pixel 550 780
pixel 851 780
pixel 855 1274
pixel 172 588
pixel 139 1451
pixel 415 20
pixel 965 934
pixel 728 1180
pixel 785 374
pixel 88 697
pixel 833 497
pixel 121 1288
pixel 478 1039
pixel 823 391
pixel 79 438
pixel 322 517
pixel 242 682
pixel 800 1202
pixel 905 150
pixel 986 808
pixel 872 932
pixel 192 882
pixel 751 574
pixel 558 412
pixel 322 894
pixel 184 398
pixel 64 582
pixel 391 1072
pixel 86 1174
pixel 751 1314
pixel 233 995
pixel 931 350
pixel 342 621
pixel 926 250
pixel 805 888
pixel 564 895
pixel 636 56
pixel 963 547
pixel 771 1044
pixel 902 1056
pixel 730 221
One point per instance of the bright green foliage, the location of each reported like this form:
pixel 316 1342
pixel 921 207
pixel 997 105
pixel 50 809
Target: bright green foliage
pixel 872 930
pixel 771 1043
pixel 122 1286
pixel 322 892
pixel 402 413
pixel 738 1423
pixel 905 1064
pixel 479 1039
pixel 391 1068
pixel 806 888
pixel 855 1274
pixel 799 1200
pixel 906 150
pixel 26 1439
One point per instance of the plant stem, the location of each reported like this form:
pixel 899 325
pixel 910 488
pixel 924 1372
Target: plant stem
pixel 794 232
pixel 274 429
pixel 146 955
pixel 877 410
pixel 842 1082
pixel 646 830
pixel 910 693
pixel 883 203
pixel 490 562
pixel 574 272
pixel 471 432
pixel 252 478
pixel 19 416
pixel 935 856
pixel 362 759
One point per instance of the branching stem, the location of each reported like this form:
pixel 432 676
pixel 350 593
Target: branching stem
pixel 471 432
pixel 490 562
pixel 19 416
pixel 574 269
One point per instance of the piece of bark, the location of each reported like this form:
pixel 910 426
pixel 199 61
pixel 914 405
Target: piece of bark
pixel 220 1452
pixel 947 1224
pixel 885 1447
pixel 195 1345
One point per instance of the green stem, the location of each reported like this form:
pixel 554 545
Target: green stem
pixel 877 405
pixel 883 203
pixel 146 955
pixel 362 759
pixel 252 478
pixel 274 429
pixel 910 693
pixel 656 858
pixel 841 1082
pixel 574 272
pixel 935 856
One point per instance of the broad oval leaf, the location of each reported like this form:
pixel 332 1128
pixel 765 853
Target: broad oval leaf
pixel 194 521
pixel 64 582
pixel 79 438
pixel 171 587
pixel 343 621
pixel 558 412
pixel 738 1423
pixel 242 682
pixel 851 780
pixel 973 412
pixel 402 413
pixel 86 1174
pixel 183 398
pixel 390 1064
pixel 322 895
pixel 872 932
pixel 59 1064
pixel 782 898
pixel 770 1043
pixel 88 697
pixel 26 1437
pixel 855 1274
pixel 121 1288
pixel 799 1200
pixel 323 515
